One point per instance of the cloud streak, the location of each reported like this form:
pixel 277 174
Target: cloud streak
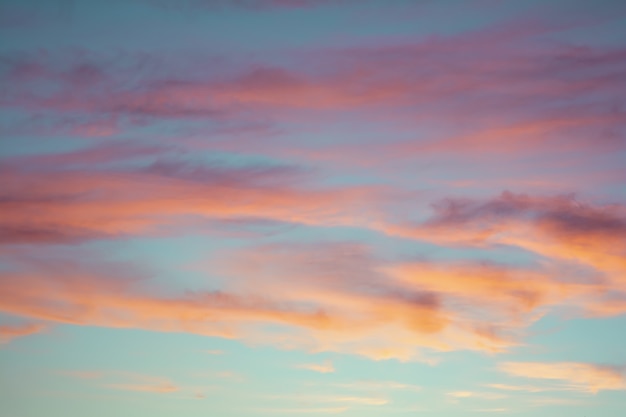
pixel 578 376
pixel 324 368
pixel 10 332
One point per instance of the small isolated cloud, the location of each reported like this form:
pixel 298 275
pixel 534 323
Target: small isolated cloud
pixel 358 400
pixel 460 394
pixel 324 368
pixel 10 332
pixel 143 383
pixel 457 395
pixel 526 388
pixel 576 376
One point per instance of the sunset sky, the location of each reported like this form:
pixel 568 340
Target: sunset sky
pixel 363 208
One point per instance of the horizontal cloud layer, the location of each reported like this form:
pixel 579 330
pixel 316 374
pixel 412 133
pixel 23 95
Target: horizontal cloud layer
pixel 578 376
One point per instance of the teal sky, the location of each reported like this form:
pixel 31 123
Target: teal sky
pixel 255 208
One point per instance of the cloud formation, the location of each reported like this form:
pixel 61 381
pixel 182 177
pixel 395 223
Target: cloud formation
pixel 573 375
pixel 324 368
pixel 558 227
pixel 248 177
pixel 12 331
pixel 67 205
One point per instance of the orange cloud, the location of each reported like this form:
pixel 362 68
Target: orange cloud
pixel 49 207
pixel 512 292
pixel 474 394
pixel 338 298
pixel 527 388
pixel 373 385
pixel 346 399
pixel 384 318
pixel 89 300
pixel 129 381
pixel 573 375
pixel 324 368
pixel 559 228
pixel 163 387
pixel 10 332
pixel 320 310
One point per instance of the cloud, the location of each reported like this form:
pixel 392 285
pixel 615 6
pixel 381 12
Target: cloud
pixel 492 410
pixel 327 297
pixel 510 291
pixel 98 155
pixel 127 381
pixel 345 399
pixel 513 93
pixel 324 368
pixel 303 410
pixel 527 388
pixel 10 332
pixel 70 294
pixel 84 374
pixel 384 319
pixel 561 228
pixel 577 376
pixel 374 385
pixel 159 387
pixel 321 310
pixel 76 204
pixel 475 394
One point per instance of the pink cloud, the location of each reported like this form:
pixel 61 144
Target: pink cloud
pixel 340 297
pixel 323 317
pixel 509 293
pixel 10 332
pixel 509 94
pixel 554 227
pixel 77 204
pixel 578 376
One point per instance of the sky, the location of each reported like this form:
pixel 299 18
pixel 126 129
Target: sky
pixel 361 208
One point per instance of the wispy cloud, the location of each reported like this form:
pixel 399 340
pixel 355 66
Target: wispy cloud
pixel 172 193
pixel 375 385
pixel 456 395
pixel 126 381
pixel 525 388
pixel 10 332
pixel 324 368
pixel 347 400
pixel 84 374
pixel 579 376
